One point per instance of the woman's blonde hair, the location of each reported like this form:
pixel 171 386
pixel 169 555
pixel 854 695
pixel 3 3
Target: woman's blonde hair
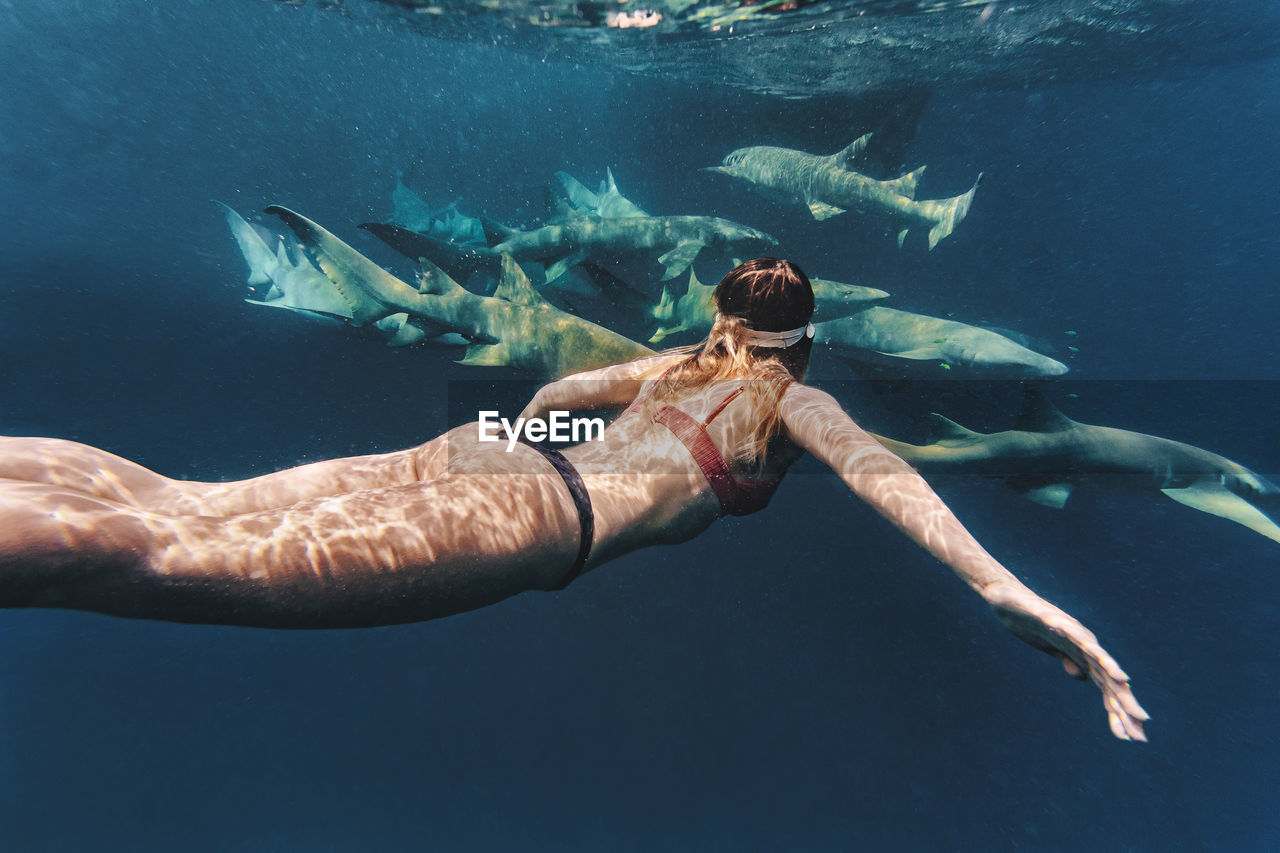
pixel 763 295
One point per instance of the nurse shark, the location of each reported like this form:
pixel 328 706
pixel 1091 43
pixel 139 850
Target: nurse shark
pixel 677 240
pixel 828 186
pixel 904 337
pixel 1046 455
pixel 585 228
pixel 515 327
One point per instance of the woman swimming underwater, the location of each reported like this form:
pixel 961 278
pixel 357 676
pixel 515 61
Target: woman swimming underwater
pixel 459 523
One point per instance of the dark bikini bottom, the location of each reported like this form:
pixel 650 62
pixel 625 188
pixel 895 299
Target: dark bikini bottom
pixel 581 500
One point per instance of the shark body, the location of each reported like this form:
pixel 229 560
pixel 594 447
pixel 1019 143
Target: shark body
pixel 515 327
pixel 829 186
pixel 910 337
pixel 677 240
pixel 1047 455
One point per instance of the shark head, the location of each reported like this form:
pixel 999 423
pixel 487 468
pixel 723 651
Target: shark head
pixel 734 165
pixel 728 235
pixel 990 351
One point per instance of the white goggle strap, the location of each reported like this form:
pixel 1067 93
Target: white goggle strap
pixel 778 340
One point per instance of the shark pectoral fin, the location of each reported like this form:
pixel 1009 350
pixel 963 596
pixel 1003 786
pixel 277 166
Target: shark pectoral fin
pixel 822 210
pixel 917 354
pixel 678 259
pixel 905 185
pixel 404 331
pixel 902 237
pixel 1052 495
pixel 1216 499
pixel 562 266
pixel 487 355
pixel 664 332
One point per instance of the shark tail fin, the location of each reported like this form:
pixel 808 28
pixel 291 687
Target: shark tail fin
pixel 950 212
pixel 579 196
pixel 371 291
pixel 495 232
pixel 852 152
pixel 257 254
pixel 906 185
pixel 1040 415
pixel 946 431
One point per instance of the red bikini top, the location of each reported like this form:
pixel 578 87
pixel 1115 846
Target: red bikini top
pixel 737 497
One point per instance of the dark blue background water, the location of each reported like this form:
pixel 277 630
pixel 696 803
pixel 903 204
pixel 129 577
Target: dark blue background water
pixel 804 680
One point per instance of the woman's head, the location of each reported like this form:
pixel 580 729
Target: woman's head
pixel 771 295
pixel 757 298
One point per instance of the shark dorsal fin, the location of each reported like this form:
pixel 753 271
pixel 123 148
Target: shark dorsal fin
pixel 578 195
pixel 514 285
pixel 906 185
pixel 666 308
pixel 1039 415
pixel 282 255
pixel 433 280
pixel 495 232
pixel 610 185
pixel 850 154
pixel 943 430
pixel 697 289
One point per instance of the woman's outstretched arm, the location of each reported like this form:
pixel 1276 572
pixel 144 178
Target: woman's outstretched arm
pixel 815 421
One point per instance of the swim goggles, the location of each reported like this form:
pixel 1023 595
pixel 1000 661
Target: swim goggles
pixel 779 340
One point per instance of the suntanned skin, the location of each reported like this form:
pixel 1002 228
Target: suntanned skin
pixel 451 525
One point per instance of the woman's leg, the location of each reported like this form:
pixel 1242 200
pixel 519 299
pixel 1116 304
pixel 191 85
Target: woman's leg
pixel 97 473
pixel 378 556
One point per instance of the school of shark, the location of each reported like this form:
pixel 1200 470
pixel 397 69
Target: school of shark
pixel 487 292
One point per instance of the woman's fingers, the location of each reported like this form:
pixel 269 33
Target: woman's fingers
pixel 1048 628
pixel 1124 713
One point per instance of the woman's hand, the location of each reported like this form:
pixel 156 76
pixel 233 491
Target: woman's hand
pixel 1038 623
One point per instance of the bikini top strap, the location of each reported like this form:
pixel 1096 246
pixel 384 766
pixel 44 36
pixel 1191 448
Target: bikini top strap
pixel 729 398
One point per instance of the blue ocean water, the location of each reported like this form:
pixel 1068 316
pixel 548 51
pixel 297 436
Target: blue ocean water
pixel 803 680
